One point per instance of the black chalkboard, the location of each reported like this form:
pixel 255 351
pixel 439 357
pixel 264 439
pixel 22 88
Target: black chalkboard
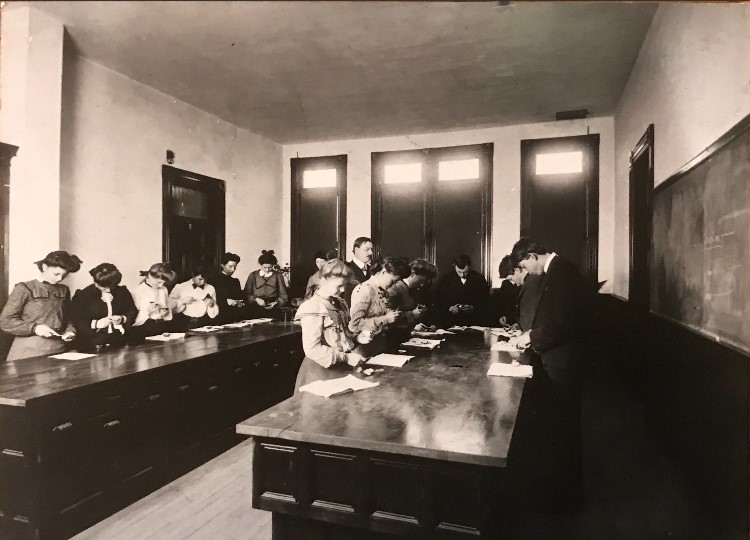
pixel 701 240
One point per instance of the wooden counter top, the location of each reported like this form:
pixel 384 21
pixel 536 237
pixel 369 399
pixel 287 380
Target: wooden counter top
pixel 440 405
pixel 31 378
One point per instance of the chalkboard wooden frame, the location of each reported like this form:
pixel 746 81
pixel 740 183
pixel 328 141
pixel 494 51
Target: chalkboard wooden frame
pixel 736 131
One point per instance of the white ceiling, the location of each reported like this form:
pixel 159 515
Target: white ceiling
pixel 303 71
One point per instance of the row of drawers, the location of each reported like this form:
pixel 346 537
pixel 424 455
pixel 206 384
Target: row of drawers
pixel 61 458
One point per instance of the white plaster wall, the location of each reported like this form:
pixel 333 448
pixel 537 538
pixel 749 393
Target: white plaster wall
pixel 30 93
pixel 506 203
pixel 115 135
pixel 692 81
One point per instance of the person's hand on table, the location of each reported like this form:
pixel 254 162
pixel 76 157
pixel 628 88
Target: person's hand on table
pixel 354 359
pixel 455 309
pixel 68 336
pixel 466 308
pixel 521 342
pixel 260 302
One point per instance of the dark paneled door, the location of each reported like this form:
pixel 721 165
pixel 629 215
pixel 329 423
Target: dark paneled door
pixel 641 189
pixel 433 203
pixel 193 220
pixel 318 214
pixel 560 197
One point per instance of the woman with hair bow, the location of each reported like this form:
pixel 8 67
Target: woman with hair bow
pixel 151 300
pixel 104 311
pixel 38 311
pixel 265 289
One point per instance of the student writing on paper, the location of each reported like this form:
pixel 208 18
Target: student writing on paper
pixel 370 314
pixel 556 342
pixel 330 347
pixel 193 302
pixel 408 296
pixel 503 309
pixel 38 311
pixel 151 300
pixel 104 311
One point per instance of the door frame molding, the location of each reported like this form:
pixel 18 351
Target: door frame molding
pixel 644 145
pixel 591 172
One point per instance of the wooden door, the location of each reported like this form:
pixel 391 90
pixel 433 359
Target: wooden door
pixel 560 197
pixel 434 203
pixel 193 220
pixel 318 214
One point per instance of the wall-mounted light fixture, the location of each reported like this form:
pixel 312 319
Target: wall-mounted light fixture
pixel 170 157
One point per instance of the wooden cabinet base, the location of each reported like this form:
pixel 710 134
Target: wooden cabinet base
pixel 71 458
pixel 323 492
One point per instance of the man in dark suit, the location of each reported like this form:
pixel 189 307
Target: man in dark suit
pixel 557 344
pixel 359 265
pixel 462 296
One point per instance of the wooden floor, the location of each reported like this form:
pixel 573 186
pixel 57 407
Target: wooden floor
pixel 632 491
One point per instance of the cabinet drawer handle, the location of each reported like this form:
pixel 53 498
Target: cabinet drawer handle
pixel 276 365
pixel 113 423
pixel 184 387
pixel 213 387
pixel 12 453
pixel 113 398
pixel 154 397
pixel 256 364
pixel 61 427
pixel 21 519
pixel 238 370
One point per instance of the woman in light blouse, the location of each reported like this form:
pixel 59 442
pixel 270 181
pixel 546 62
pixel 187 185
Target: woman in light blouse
pixel 104 311
pixel 370 314
pixel 38 311
pixel 330 347
pixel 151 300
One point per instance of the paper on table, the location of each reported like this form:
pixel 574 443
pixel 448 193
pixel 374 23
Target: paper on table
pixel 505 332
pixel 236 325
pixel 457 328
pixel 479 328
pixel 393 360
pixel 333 387
pixel 207 329
pixel 499 369
pixel 169 336
pixel 257 321
pixel 422 343
pixel 431 334
pixel 505 346
pixel 72 356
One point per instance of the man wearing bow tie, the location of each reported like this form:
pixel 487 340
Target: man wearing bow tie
pixel 193 302
pixel 359 265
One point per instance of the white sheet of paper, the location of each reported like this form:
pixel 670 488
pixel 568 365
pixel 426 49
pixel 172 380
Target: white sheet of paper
pixel 457 328
pixel 257 321
pixel 71 356
pixel 170 336
pixel 479 328
pixel 422 343
pixel 504 346
pixel 499 369
pixel 393 360
pixel 207 329
pixel 333 387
